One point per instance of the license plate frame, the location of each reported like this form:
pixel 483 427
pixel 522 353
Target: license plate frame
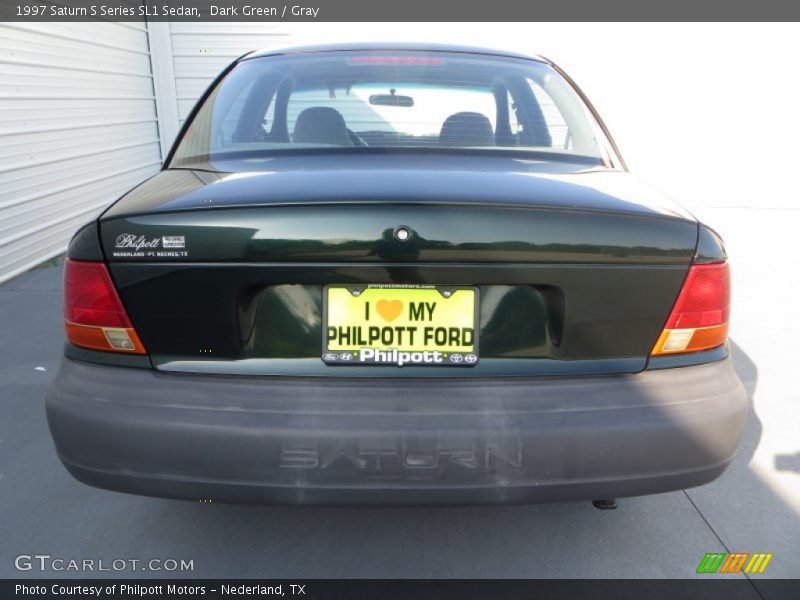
pixel 468 355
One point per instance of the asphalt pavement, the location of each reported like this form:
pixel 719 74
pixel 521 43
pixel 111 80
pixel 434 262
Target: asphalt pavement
pixel 753 507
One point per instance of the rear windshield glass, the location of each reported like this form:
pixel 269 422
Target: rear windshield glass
pixel 363 101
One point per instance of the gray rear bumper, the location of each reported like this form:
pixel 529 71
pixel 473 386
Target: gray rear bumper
pixel 395 441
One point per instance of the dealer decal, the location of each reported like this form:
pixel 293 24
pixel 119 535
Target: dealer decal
pixel 128 245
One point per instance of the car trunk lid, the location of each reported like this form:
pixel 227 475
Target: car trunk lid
pixel 228 277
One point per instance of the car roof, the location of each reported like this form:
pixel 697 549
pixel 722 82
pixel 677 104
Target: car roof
pixel 400 46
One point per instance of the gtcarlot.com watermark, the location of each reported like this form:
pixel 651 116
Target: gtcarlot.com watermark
pixel 45 563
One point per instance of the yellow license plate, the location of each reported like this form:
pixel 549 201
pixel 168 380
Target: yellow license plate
pixel 400 325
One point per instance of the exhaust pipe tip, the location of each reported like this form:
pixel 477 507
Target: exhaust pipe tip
pixel 605 504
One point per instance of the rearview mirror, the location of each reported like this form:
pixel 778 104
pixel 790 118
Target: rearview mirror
pixel 391 99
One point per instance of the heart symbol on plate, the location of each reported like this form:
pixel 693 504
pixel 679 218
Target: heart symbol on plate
pixel 389 309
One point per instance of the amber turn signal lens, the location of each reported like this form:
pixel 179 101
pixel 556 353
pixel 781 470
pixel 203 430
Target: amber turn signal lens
pixel 673 341
pixel 104 338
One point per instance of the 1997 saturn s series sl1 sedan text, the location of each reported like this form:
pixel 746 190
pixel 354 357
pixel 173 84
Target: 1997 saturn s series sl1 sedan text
pixel 388 274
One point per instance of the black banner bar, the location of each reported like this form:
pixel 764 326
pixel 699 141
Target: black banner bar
pixel 265 11
pixel 713 588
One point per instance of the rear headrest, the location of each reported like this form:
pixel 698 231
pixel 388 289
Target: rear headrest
pixel 467 129
pixel 321 125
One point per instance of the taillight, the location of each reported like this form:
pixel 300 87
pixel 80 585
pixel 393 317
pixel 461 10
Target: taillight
pixel 93 313
pixel 699 319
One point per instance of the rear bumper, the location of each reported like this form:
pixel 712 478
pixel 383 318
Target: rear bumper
pixel 395 441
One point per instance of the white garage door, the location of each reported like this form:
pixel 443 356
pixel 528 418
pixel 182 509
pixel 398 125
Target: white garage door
pixel 77 128
pixel 202 50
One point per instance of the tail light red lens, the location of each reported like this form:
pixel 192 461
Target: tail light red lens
pixel 94 315
pixel 699 319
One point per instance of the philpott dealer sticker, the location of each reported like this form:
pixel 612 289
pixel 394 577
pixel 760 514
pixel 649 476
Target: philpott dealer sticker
pixel 128 245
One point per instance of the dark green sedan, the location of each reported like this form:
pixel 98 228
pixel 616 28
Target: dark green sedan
pixel 386 274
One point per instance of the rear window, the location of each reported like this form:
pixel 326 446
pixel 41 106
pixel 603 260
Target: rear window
pixel 418 123
pixel 358 102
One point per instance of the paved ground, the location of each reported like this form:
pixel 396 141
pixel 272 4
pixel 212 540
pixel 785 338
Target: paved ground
pixel 755 506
